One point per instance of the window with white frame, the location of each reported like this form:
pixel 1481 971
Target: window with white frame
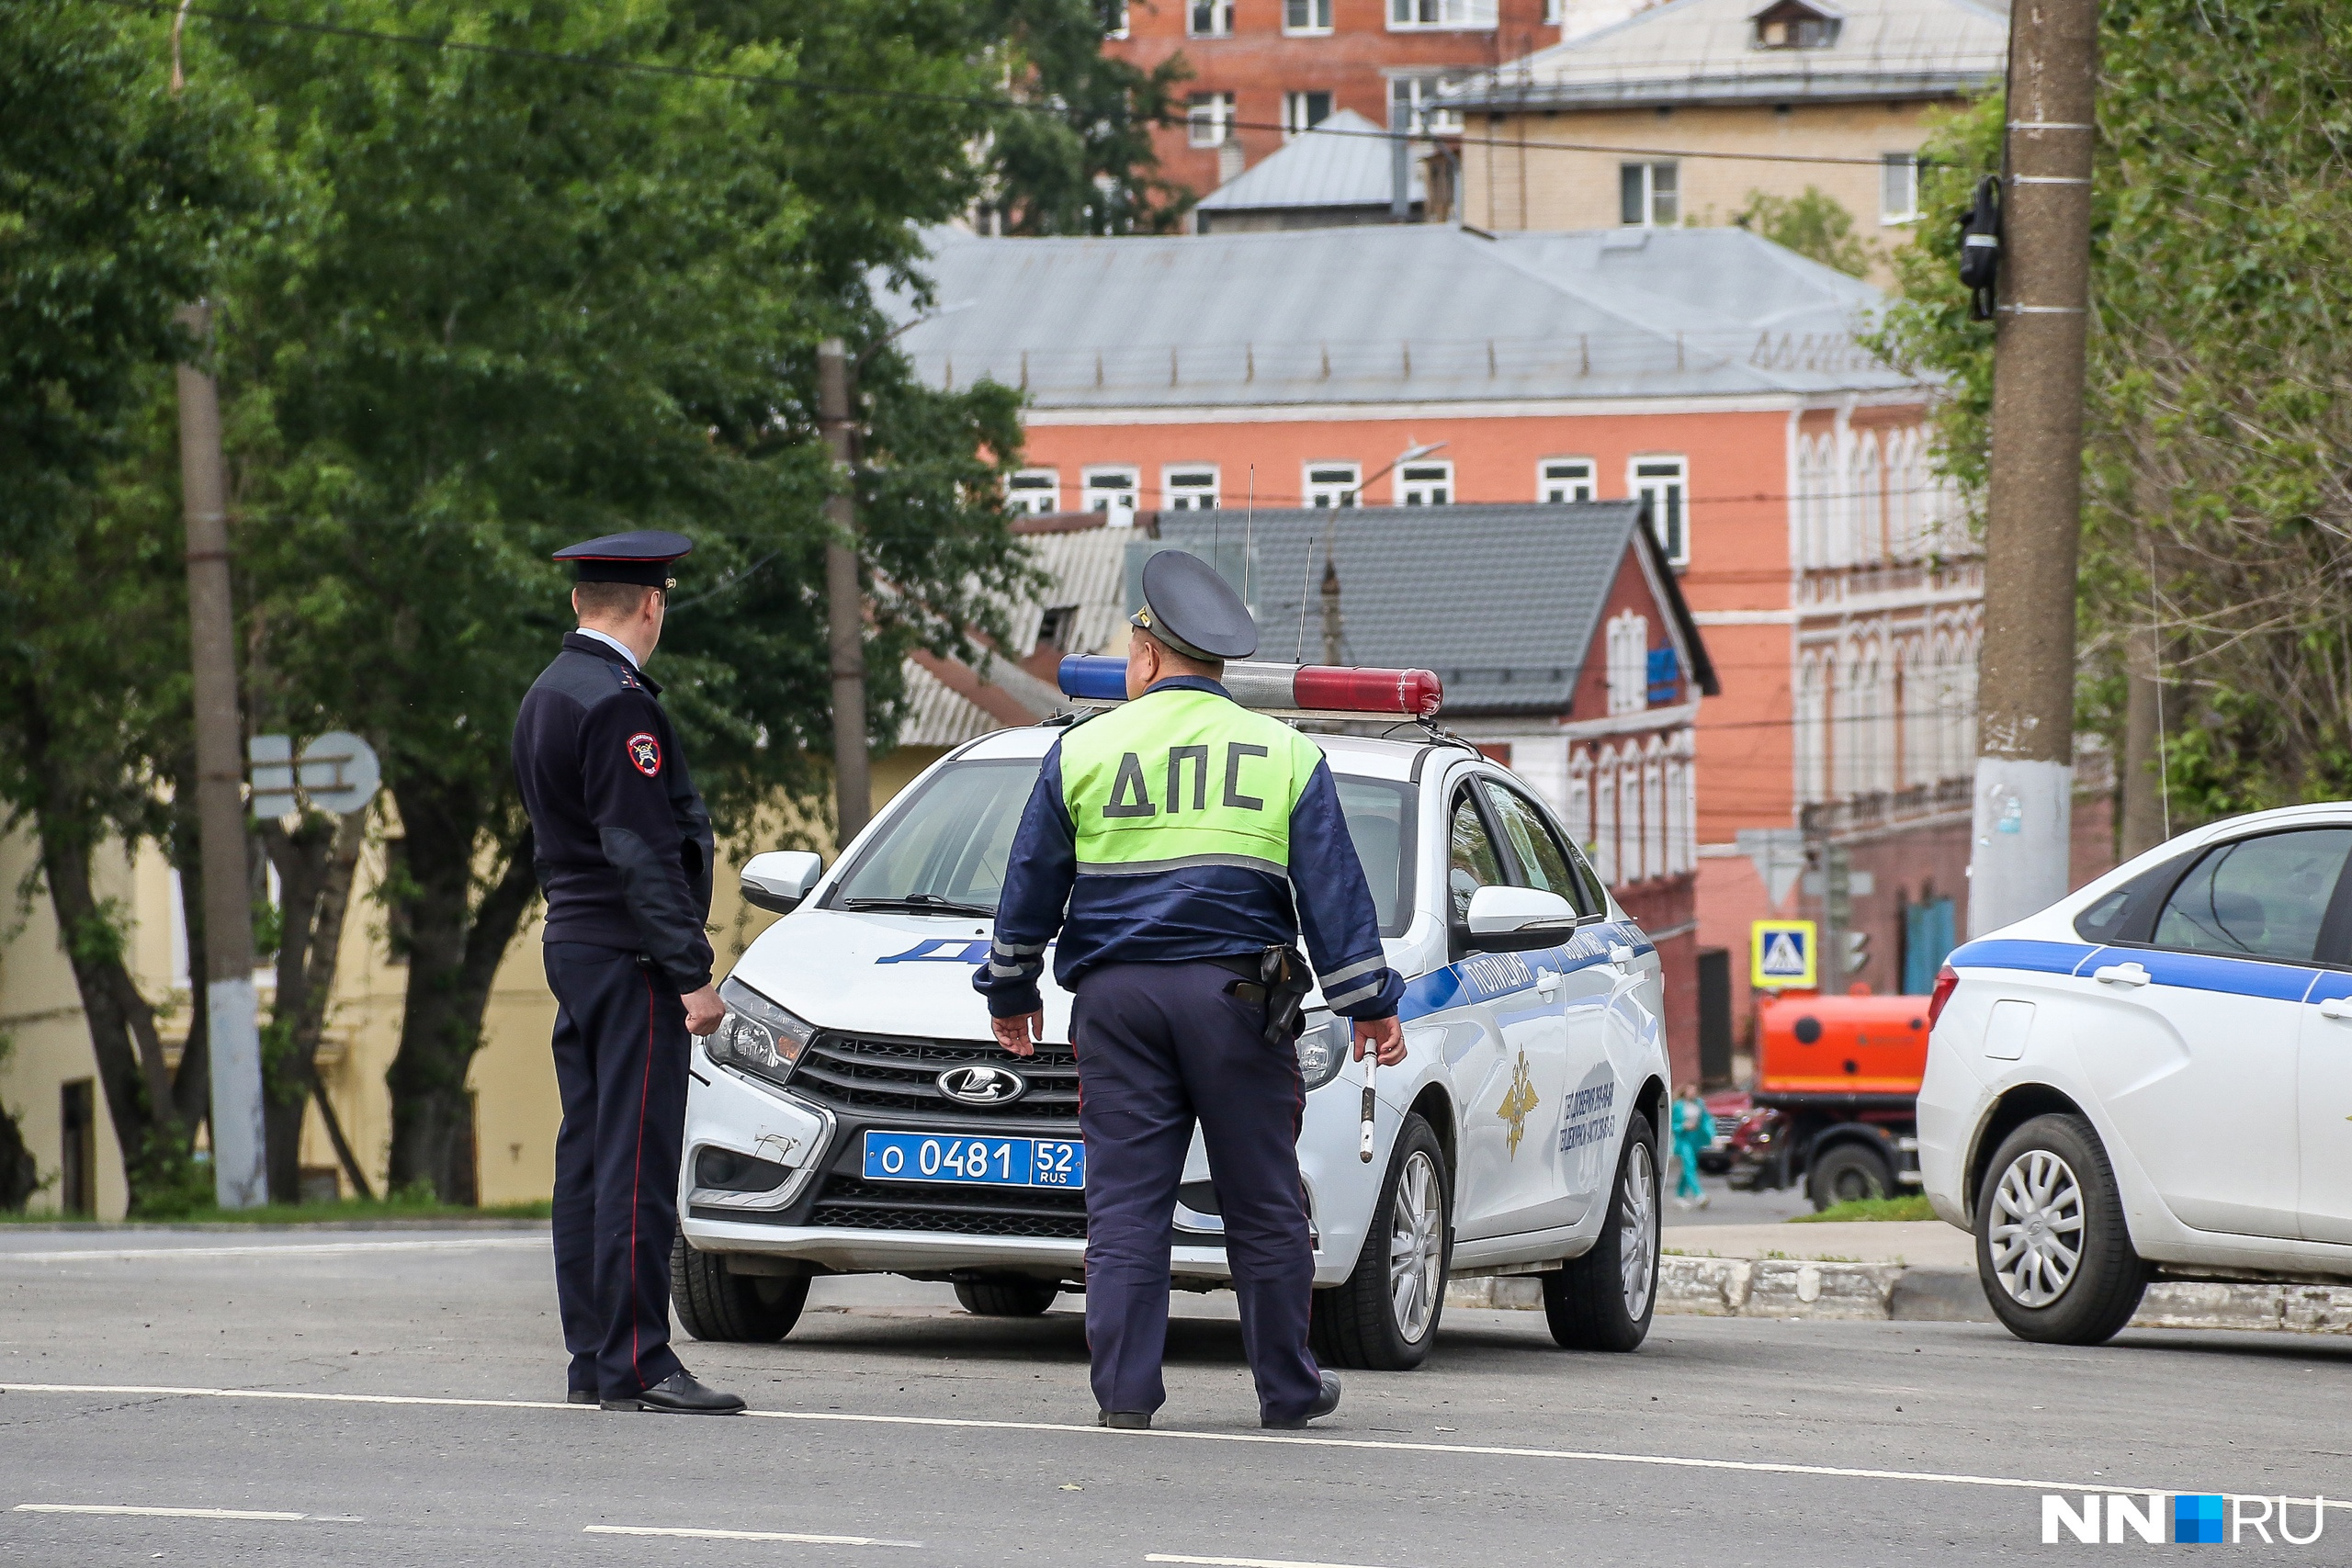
pixel 1578 814
pixel 1899 187
pixel 1034 490
pixel 1681 805
pixel 1417 98
pixel 1812 729
pixel 1191 488
pixel 1114 16
pixel 1605 816
pixel 1653 809
pixel 1307 16
pixel 1663 483
pixel 1869 502
pixel 1425 484
pixel 1209 19
pixel 1331 484
pixel 1305 111
pixel 1559 479
pixel 1406 15
pixel 1112 490
pixel 1628 652
pixel 1649 195
pixel 1208 118
pixel 1554 12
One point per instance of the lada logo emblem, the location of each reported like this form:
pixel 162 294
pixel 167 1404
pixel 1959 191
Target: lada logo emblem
pixel 982 1085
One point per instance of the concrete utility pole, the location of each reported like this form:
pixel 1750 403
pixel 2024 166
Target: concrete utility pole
pixel 240 1173
pixel 845 602
pixel 2026 687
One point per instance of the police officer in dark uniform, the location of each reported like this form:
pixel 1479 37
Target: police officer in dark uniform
pixel 624 853
pixel 1190 840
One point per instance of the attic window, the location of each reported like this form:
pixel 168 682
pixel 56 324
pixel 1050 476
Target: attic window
pixel 1794 24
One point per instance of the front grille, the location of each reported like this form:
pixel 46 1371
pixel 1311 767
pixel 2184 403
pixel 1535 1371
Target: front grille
pixel 866 1074
pixel 850 1203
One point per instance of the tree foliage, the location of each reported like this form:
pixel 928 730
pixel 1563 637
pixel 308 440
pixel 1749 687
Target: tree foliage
pixel 2218 511
pixel 1815 224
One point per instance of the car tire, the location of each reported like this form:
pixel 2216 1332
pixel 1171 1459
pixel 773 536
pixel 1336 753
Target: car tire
pixel 1006 1295
pixel 716 1303
pixel 1849 1172
pixel 1603 1300
pixel 2050 1180
pixel 1384 1318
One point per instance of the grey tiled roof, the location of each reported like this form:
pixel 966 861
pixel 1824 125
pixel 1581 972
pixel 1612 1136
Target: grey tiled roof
pixel 1703 51
pixel 1391 313
pixel 1344 162
pixel 1502 602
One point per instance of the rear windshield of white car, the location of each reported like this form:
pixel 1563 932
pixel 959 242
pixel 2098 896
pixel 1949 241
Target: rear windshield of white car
pixel 949 843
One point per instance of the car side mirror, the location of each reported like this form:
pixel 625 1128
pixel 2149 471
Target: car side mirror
pixel 1517 919
pixel 780 879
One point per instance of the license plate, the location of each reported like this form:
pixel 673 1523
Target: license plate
pixel 975 1162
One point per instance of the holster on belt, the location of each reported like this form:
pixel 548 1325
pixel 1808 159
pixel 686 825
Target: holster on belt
pixel 1281 982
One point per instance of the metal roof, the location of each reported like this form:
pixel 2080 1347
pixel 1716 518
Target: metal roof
pixel 1390 314
pixel 1502 602
pixel 1346 160
pixel 1704 51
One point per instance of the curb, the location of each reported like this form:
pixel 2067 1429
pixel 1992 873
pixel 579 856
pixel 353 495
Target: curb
pixel 1896 1293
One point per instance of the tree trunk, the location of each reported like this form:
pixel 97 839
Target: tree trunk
pixel 454 951
pixel 315 866
pixel 2143 827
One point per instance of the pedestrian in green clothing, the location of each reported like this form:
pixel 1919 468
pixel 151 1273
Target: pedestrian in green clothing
pixel 1693 1128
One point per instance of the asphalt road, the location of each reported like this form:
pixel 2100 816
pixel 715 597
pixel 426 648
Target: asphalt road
pixel 390 1396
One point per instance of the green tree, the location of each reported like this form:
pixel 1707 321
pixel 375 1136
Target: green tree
pixel 2217 519
pixel 115 196
pixel 1815 225
pixel 519 302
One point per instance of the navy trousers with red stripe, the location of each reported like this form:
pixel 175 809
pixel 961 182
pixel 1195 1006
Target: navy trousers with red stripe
pixel 1160 1047
pixel 620 1064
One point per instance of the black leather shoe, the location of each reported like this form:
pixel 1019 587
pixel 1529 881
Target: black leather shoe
pixel 679 1395
pixel 1123 1420
pixel 1325 1403
pixel 581 1396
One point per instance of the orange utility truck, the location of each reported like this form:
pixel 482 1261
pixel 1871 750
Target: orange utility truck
pixel 1837 1084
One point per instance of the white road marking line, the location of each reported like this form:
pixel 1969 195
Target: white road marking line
pixel 1246 1562
pixel 160 1513
pixel 1469 1450
pixel 290 1249
pixel 746 1535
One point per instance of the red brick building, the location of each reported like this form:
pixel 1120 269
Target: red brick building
pixel 1265 70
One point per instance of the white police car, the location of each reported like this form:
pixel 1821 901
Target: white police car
pixel 2154 1077
pixel 853 1115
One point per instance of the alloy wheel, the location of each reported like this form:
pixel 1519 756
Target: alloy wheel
pixel 1637 1230
pixel 1415 1246
pixel 2036 1231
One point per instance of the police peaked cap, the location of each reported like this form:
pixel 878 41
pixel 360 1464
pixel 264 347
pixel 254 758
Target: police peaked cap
pixel 1190 607
pixel 643 558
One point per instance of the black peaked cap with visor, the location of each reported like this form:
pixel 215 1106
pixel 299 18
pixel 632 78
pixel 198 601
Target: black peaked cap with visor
pixel 1193 610
pixel 643 558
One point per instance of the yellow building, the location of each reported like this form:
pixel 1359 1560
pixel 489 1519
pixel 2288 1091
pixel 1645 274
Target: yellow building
pixel 1614 128
pixel 48 1075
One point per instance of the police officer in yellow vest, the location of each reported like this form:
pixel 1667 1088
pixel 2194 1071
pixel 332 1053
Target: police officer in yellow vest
pixel 1191 841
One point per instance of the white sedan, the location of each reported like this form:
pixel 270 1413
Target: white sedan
pixel 2154 1077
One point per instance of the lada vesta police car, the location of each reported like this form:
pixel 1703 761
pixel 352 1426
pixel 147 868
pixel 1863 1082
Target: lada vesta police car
pixel 853 1115
pixel 2154 1077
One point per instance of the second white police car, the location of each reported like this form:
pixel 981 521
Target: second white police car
pixel 2154 1077
pixel 853 1115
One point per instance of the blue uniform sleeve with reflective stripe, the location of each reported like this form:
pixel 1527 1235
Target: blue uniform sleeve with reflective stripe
pixel 1335 907
pixel 1038 877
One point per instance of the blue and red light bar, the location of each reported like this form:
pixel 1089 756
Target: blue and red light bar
pixel 1283 688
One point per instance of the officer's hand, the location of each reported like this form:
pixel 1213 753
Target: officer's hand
pixel 704 1010
pixel 1016 1034
pixel 1386 1035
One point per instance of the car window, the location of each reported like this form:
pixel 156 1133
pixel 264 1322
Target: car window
pixel 1472 863
pixel 951 841
pixel 1543 864
pixel 1379 816
pixel 2258 898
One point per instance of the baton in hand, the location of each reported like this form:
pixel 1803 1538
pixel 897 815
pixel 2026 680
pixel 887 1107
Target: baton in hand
pixel 1371 1066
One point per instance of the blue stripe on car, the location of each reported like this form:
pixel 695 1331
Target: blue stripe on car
pixel 2011 953
pixel 2213 971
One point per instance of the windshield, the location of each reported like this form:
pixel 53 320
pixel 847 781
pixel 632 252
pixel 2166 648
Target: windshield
pixel 950 841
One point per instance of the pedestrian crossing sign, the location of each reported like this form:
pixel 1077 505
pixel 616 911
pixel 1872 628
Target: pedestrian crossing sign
pixel 1782 954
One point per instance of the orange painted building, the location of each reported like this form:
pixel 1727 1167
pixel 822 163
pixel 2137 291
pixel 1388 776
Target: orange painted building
pixel 1704 370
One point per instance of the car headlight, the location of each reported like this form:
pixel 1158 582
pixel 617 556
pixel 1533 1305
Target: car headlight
pixel 1323 1048
pixel 756 1035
